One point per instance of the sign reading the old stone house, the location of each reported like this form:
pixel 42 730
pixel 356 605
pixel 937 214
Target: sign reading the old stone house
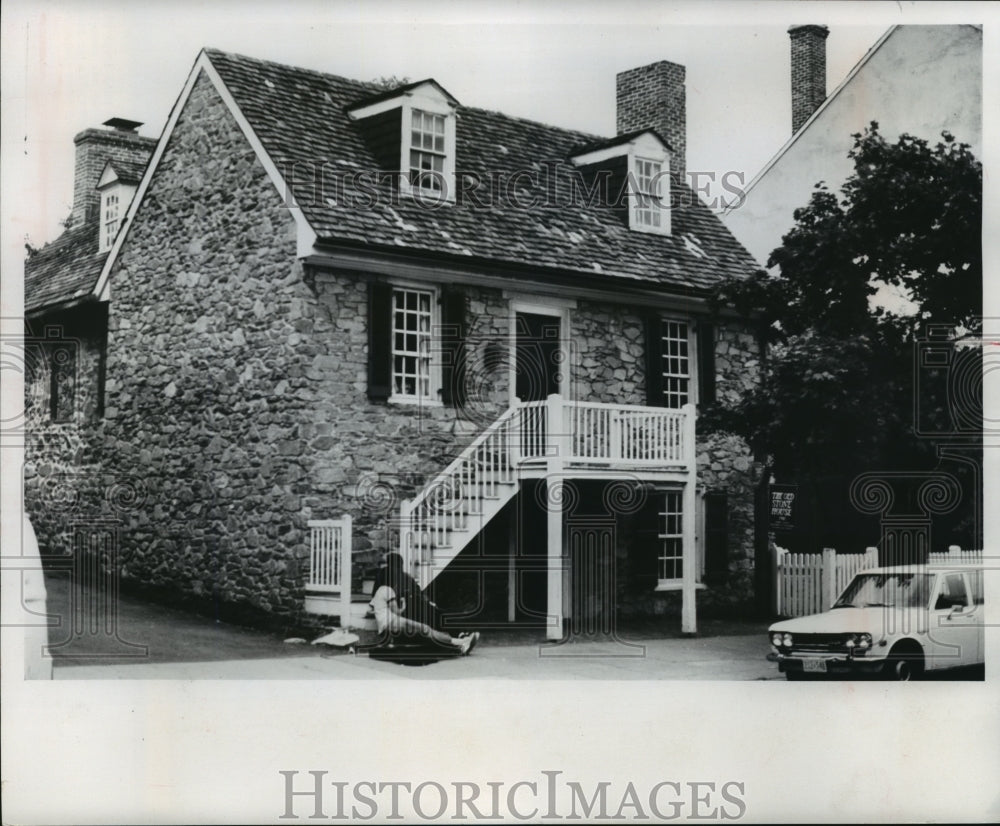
pixel 782 507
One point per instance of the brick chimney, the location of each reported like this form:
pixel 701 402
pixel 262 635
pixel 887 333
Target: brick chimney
pixel 653 97
pixel 94 148
pixel 808 71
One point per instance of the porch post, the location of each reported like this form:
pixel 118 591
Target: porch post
pixel 345 571
pixel 689 619
pixel 512 527
pixel 554 515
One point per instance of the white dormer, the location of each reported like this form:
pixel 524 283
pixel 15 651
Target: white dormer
pixel 641 162
pixel 117 185
pixel 424 114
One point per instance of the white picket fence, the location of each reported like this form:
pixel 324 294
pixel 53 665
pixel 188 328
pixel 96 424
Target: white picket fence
pixel 809 583
pixel 330 565
pixel 955 555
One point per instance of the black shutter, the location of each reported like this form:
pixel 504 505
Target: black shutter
pixel 379 341
pixel 644 555
pixel 452 346
pixel 654 361
pixel 716 537
pixel 706 363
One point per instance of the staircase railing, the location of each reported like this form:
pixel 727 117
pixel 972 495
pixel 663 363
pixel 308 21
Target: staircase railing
pixel 585 432
pixel 459 492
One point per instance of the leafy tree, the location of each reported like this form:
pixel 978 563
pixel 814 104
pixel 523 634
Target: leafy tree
pixel 851 290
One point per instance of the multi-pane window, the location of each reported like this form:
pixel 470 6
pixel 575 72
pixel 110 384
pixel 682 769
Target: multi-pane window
pixel 110 220
pixel 648 208
pixel 671 538
pixel 427 151
pixel 676 364
pixel 411 343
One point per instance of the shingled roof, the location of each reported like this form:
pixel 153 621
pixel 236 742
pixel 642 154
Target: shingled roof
pixel 300 117
pixel 63 270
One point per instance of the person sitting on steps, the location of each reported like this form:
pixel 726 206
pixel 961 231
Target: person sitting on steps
pixel 389 604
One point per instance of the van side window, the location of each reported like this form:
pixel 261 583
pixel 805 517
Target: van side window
pixel 952 592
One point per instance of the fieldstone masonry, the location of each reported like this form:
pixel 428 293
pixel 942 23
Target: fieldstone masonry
pixel 236 389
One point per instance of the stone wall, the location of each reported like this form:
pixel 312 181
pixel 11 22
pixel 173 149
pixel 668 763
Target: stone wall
pixel 62 470
pixel 209 392
pixel 725 462
pixel 608 354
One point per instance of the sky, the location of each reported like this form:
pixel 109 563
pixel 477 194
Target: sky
pixel 70 66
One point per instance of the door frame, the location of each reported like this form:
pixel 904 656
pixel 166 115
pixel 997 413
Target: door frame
pixel 540 305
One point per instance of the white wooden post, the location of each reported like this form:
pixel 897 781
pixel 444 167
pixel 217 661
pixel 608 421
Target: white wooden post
pixel 689 611
pixel 512 529
pixel 345 570
pixel 554 516
pixel 515 435
pixel 405 539
pixel 829 581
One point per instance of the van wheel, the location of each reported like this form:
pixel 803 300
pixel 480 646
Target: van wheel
pixel 904 663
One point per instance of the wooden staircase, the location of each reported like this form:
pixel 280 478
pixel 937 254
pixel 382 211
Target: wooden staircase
pixel 437 524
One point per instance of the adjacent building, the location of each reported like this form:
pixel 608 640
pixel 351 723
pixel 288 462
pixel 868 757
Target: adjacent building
pixel 921 80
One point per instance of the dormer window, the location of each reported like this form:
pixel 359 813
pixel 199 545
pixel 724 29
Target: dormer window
pixel 117 185
pixel 427 151
pixel 647 206
pixel 632 172
pixel 411 130
pixel 109 220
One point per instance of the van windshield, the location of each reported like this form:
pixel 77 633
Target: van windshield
pixel 897 590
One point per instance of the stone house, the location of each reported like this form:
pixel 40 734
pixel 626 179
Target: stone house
pixel 483 339
pixel 921 80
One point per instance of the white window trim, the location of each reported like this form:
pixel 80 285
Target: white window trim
pixel 662 194
pixel 539 305
pixel 427 97
pixel 648 148
pixel 108 238
pixel 434 106
pixel 693 355
pixel 434 399
pixel 662 582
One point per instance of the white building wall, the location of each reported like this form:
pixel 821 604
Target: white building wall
pixel 921 80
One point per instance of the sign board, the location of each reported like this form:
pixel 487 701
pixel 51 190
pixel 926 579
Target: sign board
pixel 781 510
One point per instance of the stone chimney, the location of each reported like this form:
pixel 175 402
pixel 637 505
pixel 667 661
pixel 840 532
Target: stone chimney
pixel 653 97
pixel 808 71
pixel 94 148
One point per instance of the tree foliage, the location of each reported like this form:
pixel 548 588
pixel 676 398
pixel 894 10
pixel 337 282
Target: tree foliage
pixel 851 290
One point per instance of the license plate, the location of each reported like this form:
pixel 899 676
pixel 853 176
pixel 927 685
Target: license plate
pixel 814 666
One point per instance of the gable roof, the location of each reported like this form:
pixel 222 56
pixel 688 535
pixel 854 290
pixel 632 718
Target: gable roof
pixel 396 91
pixel 536 217
pixel 520 201
pixel 127 172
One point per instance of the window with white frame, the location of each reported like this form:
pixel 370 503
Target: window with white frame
pixel 671 523
pixel 647 211
pixel 412 323
pixel 427 151
pixel 109 220
pixel 676 364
